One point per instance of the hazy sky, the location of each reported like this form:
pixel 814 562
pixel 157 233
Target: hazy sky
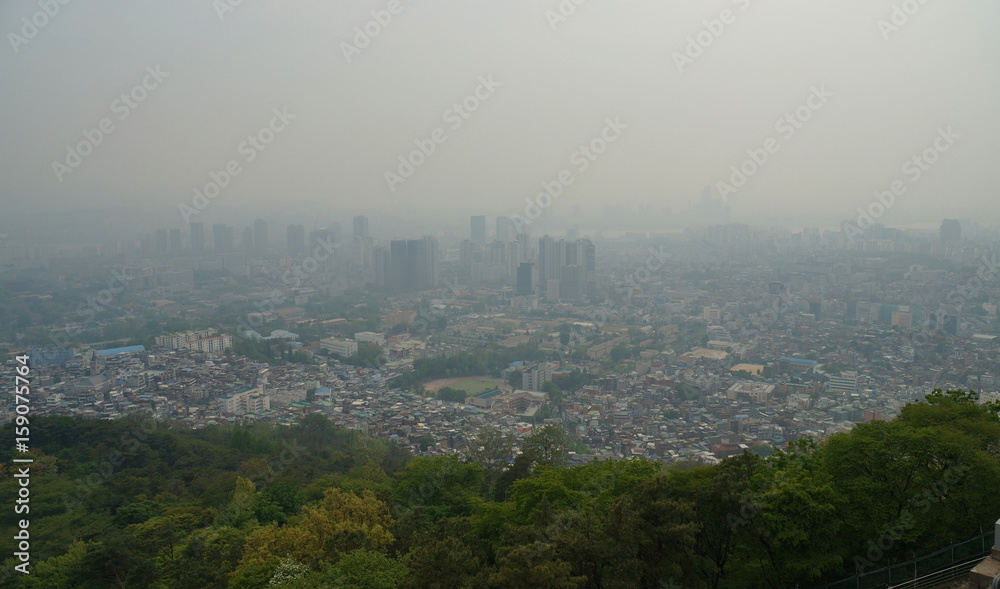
pixel 556 85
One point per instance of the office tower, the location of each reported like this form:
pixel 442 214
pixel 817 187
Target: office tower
pixel 951 231
pixel 400 271
pixel 551 290
pixel 296 238
pixel 505 229
pixel 428 261
pixel 362 255
pixel 588 253
pixel 414 263
pixel 260 241
pixel 947 320
pixel 527 278
pixel 515 255
pixel 380 266
pixel 574 255
pixel 197 238
pixel 479 229
pixel 222 239
pixel 326 238
pixel 247 241
pixel 551 258
pixel 361 226
pixel 573 284
pixel 175 242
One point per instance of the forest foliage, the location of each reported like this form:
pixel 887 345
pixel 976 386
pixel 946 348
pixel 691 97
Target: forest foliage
pixel 136 503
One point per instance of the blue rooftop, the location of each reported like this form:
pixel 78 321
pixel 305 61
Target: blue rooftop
pixel 799 361
pixel 488 394
pixel 116 351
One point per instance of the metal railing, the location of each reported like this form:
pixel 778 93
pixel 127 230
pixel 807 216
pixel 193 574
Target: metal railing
pixel 907 573
pixel 951 573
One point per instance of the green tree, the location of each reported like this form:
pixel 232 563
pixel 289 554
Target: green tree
pixel 547 446
pixel 492 448
pixel 531 566
pixel 442 563
pixel 452 395
pixel 366 569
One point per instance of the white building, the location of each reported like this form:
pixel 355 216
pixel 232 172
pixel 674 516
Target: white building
pixel 538 375
pixel 370 337
pixel 203 340
pixel 209 345
pixel 176 341
pixel 758 392
pixel 245 400
pixel 847 382
pixel 345 348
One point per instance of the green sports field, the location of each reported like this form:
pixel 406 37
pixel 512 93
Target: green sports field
pixel 470 384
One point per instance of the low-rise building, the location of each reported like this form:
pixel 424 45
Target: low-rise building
pixel 345 348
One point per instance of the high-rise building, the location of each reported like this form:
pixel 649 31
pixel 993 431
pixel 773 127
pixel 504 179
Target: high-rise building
pixel 296 237
pixel 551 258
pixel 551 290
pixel 505 229
pixel 573 284
pixel 428 261
pixel 401 272
pixel 527 278
pixel 362 255
pixel 197 238
pixel 478 223
pixel 469 253
pixel 260 241
pixel 588 252
pixel 361 226
pixel 222 239
pixel 380 266
pixel 951 231
pixel 413 263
